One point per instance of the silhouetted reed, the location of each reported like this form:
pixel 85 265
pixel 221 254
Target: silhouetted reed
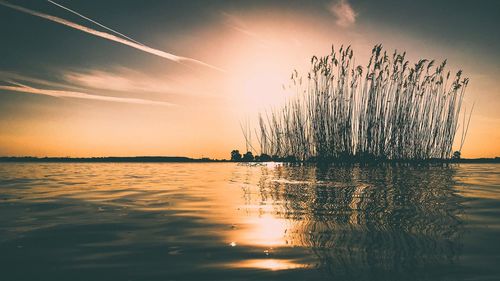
pixel 390 111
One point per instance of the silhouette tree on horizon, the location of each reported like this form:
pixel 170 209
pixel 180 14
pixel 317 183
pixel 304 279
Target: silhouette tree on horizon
pixel 235 155
pixel 248 157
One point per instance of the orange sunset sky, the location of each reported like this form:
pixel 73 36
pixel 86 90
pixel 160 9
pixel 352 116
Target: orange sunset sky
pixel 176 78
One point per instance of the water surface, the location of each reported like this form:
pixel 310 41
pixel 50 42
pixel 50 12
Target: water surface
pixel 223 221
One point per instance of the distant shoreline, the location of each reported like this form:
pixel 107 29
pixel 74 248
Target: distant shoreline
pixel 180 159
pixel 132 159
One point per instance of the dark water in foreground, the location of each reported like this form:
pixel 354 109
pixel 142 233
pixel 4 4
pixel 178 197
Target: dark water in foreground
pixel 223 221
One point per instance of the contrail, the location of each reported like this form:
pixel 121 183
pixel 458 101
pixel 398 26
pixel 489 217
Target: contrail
pixel 93 21
pixel 111 37
pixel 79 95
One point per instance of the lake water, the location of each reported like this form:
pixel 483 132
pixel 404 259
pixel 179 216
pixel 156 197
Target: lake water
pixel 224 221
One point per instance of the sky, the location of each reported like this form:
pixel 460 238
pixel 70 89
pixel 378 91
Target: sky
pixel 177 78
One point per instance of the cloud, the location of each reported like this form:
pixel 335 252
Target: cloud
pixel 110 37
pixel 120 79
pixel 93 21
pixel 344 13
pixel 10 77
pixel 239 25
pixel 116 81
pixel 18 87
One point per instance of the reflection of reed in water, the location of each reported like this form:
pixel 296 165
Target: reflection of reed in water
pixel 365 221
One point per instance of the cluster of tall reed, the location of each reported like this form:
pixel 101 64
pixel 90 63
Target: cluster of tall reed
pixel 391 110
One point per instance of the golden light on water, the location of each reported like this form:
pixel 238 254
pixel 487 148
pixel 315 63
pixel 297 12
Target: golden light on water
pixel 264 231
pixel 268 264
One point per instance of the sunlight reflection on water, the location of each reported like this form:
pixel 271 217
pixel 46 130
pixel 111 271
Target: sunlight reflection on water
pixel 226 221
pixel 269 264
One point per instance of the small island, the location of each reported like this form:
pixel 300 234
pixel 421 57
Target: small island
pixel 389 111
pixel 236 156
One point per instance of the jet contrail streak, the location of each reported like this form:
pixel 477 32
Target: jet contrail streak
pixel 79 95
pixel 110 37
pixel 93 21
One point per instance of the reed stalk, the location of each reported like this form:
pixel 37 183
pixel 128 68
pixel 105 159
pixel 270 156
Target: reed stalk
pixel 388 110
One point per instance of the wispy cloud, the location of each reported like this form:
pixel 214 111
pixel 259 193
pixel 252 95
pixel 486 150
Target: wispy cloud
pixel 239 25
pixel 177 88
pixel 343 12
pixel 92 21
pixel 115 81
pixel 108 36
pixel 18 87
pixel 119 79
pixel 10 77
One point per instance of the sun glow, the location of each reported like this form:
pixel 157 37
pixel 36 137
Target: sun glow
pixel 258 81
pixel 262 57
